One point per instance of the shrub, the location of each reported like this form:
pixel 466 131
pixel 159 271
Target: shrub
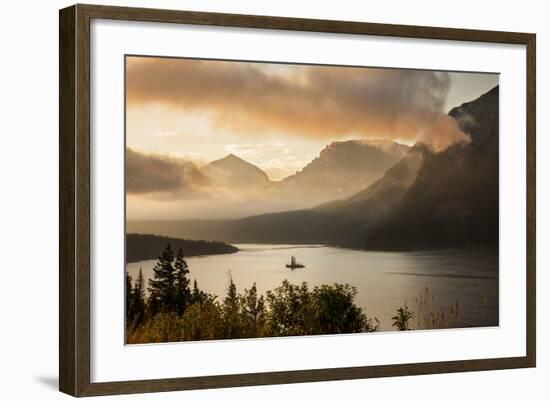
pixel 288 310
pixel 402 319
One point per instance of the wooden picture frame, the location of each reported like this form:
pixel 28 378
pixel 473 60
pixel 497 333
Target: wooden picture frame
pixel 74 199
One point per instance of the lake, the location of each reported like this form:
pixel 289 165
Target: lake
pixel 384 280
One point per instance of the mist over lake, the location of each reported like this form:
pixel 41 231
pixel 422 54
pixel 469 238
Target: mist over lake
pixel 384 280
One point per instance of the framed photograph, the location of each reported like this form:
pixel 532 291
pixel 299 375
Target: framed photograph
pixel 250 200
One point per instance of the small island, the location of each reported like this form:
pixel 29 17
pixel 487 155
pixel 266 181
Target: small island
pixel 147 246
pixel 293 264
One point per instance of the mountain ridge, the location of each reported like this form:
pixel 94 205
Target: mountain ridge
pixel 427 199
pixel 341 169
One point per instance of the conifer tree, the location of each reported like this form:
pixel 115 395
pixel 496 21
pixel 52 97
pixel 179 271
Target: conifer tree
pixel 128 289
pixel 231 311
pixel 183 292
pixel 231 300
pixel 162 286
pixel 195 295
pixel 253 311
pixel 138 299
pixel 199 296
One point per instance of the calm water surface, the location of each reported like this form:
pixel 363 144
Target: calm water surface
pixel 384 280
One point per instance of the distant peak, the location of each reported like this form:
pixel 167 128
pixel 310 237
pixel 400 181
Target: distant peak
pixel 385 145
pixel 371 142
pixel 236 164
pixel 231 158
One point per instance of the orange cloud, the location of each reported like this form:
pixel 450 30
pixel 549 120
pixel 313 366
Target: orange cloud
pixel 311 101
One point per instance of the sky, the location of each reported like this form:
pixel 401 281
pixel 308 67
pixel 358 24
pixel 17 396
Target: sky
pixel 184 113
pixel 278 116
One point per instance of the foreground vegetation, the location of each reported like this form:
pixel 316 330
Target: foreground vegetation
pixel 175 310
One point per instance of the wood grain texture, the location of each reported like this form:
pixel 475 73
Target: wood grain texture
pixel 74 199
pixel 301 376
pixel 74 206
pixel 300 24
pixel 531 228
pixel 67 272
pixel 82 167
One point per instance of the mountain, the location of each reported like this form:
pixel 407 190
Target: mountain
pixel 343 168
pixel 435 199
pixel 427 199
pixel 455 198
pixel 343 222
pixel 383 195
pixel 340 221
pixel 479 118
pixel 235 172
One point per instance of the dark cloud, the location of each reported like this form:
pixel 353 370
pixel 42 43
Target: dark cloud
pixel 312 101
pixel 148 173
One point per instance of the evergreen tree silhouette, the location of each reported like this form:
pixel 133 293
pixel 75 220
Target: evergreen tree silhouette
pixel 199 296
pixel 183 292
pixel 138 299
pixel 162 287
pixel 128 289
pixel 231 311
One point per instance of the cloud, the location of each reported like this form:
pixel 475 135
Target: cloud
pixel 161 185
pixel 443 133
pixel 310 101
pixel 259 149
pixel 151 173
pixel 167 177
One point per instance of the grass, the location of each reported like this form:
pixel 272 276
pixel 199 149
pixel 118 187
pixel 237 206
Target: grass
pixel 429 316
